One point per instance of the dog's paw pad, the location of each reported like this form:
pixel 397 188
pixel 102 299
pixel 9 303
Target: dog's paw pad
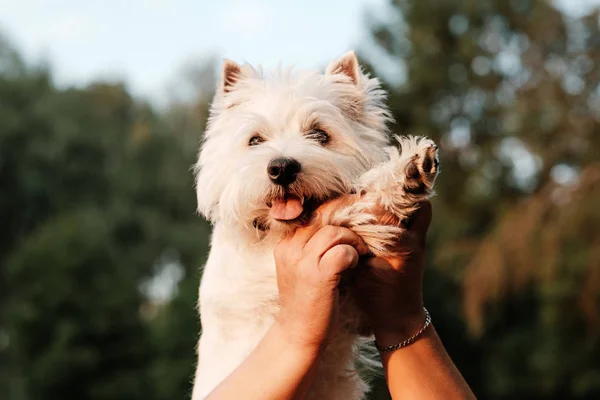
pixel 430 162
pixel 422 169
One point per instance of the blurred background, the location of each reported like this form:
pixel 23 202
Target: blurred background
pixel 102 105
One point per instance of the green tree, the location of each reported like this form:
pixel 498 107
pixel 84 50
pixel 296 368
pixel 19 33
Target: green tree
pixel 96 201
pixel 510 91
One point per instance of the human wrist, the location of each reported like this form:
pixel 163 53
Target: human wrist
pixel 297 339
pixel 400 328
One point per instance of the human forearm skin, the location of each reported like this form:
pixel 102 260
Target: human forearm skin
pixel 276 369
pixel 423 370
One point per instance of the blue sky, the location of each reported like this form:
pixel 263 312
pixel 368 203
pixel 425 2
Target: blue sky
pixel 146 42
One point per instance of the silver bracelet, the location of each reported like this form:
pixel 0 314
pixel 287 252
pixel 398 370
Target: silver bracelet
pixel 410 340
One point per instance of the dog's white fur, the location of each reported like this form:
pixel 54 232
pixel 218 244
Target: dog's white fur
pixel 238 294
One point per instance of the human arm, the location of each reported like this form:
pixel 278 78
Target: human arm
pixel 309 264
pixel 390 291
pixel 423 370
pixel 276 369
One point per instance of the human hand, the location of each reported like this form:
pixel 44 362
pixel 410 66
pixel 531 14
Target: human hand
pixel 389 289
pixel 309 264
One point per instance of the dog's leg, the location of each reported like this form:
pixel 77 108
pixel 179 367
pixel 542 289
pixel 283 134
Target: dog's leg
pixel 396 186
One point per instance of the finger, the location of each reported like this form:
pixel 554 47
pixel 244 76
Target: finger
pixel 281 249
pixel 378 263
pixel 422 220
pixel 326 210
pixel 375 275
pixel 338 258
pixel 303 234
pixel 330 236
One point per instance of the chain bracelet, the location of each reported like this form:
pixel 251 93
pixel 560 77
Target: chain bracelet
pixel 410 340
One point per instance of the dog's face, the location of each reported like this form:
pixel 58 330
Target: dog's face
pixel 278 146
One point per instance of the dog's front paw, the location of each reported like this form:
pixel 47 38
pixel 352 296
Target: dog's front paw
pixel 389 194
pixel 381 240
pixel 407 178
pixel 358 216
pixel 422 165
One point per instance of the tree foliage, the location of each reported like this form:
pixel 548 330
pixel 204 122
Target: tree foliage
pixel 101 249
pixel 511 91
pixel 96 201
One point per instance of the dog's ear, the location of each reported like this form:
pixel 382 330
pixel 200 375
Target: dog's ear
pixel 346 65
pixel 232 74
pixel 358 95
pixel 352 97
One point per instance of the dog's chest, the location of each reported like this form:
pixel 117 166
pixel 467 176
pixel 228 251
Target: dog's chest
pixel 239 283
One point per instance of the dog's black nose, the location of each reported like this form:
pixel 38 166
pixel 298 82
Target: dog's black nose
pixel 283 170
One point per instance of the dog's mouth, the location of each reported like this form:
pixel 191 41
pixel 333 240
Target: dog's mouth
pixel 292 209
pixel 287 208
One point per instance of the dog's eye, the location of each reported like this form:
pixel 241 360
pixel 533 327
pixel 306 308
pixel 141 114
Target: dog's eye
pixel 255 140
pixel 319 135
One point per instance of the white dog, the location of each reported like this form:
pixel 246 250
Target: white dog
pixel 276 147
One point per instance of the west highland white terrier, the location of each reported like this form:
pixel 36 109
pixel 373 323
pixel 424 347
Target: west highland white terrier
pixel 276 147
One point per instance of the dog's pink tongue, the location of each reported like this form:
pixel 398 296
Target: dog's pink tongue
pixel 287 209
